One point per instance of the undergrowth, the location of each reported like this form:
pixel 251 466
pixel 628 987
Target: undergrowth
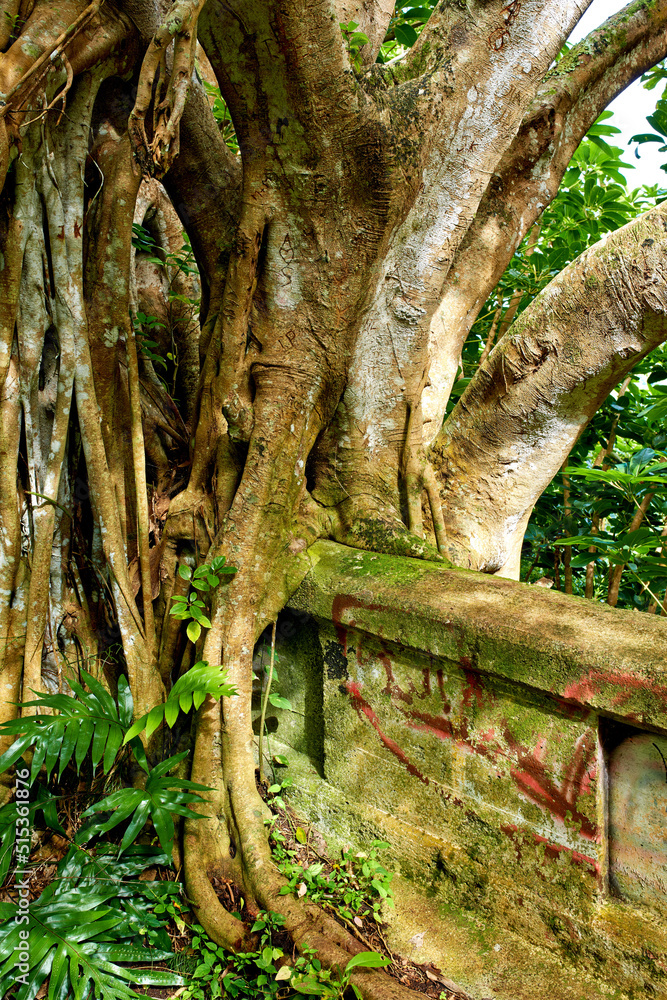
pixel 103 911
pixel 89 904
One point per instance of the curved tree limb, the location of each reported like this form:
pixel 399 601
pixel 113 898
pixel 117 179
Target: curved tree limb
pixel 468 122
pixel 524 409
pixel 204 184
pixel 568 102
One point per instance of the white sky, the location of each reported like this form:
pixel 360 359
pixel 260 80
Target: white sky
pixel 630 108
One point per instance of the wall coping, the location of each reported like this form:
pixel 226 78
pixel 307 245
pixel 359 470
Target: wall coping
pixel 579 651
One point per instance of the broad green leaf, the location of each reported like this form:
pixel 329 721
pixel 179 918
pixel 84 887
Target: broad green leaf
pixel 155 717
pixel 102 695
pixel 136 824
pixel 125 702
pixel 193 630
pixel 135 729
pixel 171 712
pixel 113 746
pixel 367 960
pixel 53 737
pixel 405 34
pixel 99 743
pixel 279 702
pixel 164 827
pixel 83 741
pixel 15 751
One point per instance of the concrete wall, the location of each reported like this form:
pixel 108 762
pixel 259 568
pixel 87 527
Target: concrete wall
pixel 511 746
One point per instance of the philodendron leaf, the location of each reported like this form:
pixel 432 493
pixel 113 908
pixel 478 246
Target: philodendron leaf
pixel 80 928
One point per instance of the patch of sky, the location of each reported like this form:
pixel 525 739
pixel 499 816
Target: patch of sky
pixel 630 108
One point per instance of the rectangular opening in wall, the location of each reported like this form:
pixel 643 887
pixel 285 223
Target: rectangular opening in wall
pixel 637 812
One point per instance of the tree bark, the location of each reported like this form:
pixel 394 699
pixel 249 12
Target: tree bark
pixel 512 428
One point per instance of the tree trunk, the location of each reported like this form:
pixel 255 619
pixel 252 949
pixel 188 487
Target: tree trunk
pixel 342 258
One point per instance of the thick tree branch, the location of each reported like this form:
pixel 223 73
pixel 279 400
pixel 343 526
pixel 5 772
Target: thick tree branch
pixel 526 406
pixel 466 122
pixel 570 99
pixel 283 71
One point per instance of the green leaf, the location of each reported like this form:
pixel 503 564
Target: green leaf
pixel 405 34
pixel 647 137
pixel 135 729
pixel 279 702
pixel 83 741
pixel 155 717
pixel 171 712
pixel 136 824
pixel 70 737
pixel 367 960
pixel 185 702
pixel 48 807
pixel 185 572
pixel 311 987
pixel 99 742
pixel 15 751
pixel 113 746
pixel 193 630
pixel 102 695
pixel 53 738
pixel 125 702
pixel 423 13
pixel 164 827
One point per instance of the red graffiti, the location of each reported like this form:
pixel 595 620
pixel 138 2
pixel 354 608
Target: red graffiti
pixel 339 606
pixel 526 765
pixel 551 851
pixel 533 779
pixel 364 708
pixel 586 688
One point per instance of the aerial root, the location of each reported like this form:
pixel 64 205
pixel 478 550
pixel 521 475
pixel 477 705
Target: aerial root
pixel 433 493
pixel 155 156
pixel 418 474
pixel 60 96
pixel 308 925
pixel 42 65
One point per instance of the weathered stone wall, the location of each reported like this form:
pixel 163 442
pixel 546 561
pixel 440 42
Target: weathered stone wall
pixel 511 745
